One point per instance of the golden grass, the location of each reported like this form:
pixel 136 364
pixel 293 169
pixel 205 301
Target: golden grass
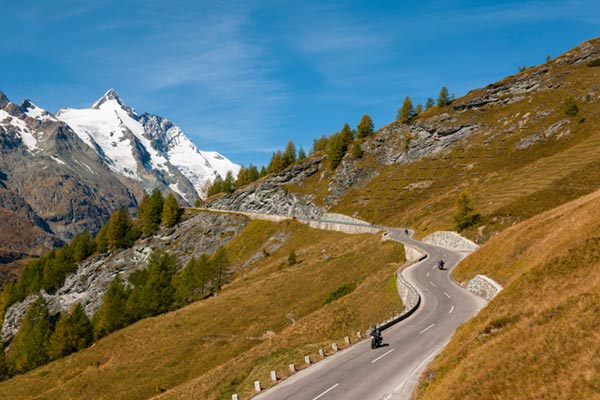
pixel 217 345
pixel 539 337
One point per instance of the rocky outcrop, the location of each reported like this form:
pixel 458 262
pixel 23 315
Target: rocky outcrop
pixel 484 287
pixel 198 234
pixel 269 196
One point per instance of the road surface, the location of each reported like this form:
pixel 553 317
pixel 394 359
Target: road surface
pixel 391 372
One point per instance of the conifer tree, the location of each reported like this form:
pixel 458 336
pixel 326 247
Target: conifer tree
pixel 110 316
pixel 289 155
pixel 216 187
pixel 429 103
pixel 172 212
pixel 192 282
pixel 319 144
pixel 336 148
pixel 118 233
pixel 406 112
pixel 444 97
pixel 4 368
pixel 63 340
pixel 418 109
pixel 158 293
pixel 152 213
pixel 263 172
pixel 276 165
pixel 301 154
pixel 82 246
pixel 347 135
pixel 365 127
pixel 465 216
pixel 228 183
pixel 357 151
pixel 82 326
pixel 30 345
pixel 220 266
pixel 101 239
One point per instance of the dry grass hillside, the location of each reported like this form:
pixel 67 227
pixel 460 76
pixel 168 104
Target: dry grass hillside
pixel 540 337
pixel 271 315
pixel 522 155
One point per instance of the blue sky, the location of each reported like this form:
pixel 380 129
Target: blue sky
pixel 244 77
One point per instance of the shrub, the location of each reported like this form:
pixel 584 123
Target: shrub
pixel 594 63
pixel 340 292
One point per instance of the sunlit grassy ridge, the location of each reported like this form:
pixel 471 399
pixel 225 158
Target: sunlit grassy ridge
pixel 524 158
pixel 539 338
pixel 221 344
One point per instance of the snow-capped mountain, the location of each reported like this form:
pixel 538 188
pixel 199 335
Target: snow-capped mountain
pixel 147 148
pixel 52 184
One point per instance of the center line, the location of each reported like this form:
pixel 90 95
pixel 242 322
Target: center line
pixel 381 356
pixel 451 309
pixel 426 329
pixel 428 274
pixel 325 392
pixel 433 284
pixel 447 295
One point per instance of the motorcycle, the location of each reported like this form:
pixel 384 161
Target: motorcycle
pixel 376 339
pixel 441 264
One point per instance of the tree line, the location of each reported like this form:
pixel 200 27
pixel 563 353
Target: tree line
pixel 407 112
pixel 120 232
pixel 157 289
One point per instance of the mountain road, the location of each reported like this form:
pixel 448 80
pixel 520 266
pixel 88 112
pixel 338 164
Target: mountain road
pixel 391 372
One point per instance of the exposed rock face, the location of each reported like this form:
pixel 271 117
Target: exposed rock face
pixel 268 196
pixel 201 233
pixel 52 185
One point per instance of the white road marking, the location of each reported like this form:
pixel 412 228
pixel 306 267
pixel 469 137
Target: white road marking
pixel 433 284
pixel 447 295
pixel 428 274
pixel 426 329
pixel 381 356
pixel 325 392
pixel 451 309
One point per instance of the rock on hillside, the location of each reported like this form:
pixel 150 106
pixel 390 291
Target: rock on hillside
pixel 52 185
pixel 268 195
pixel 200 233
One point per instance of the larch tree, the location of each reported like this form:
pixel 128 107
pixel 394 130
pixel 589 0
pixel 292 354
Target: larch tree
pixel 172 212
pixel 365 127
pixel 444 97
pixel 406 112
pixel 29 348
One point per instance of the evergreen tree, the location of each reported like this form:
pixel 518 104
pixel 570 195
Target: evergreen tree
pixel 418 109
pixel 289 155
pixel 276 165
pixel 570 107
pixel 216 187
pixel 110 316
pixel 172 212
pixel 220 266
pixel 82 246
pixel 347 135
pixel 157 293
pixel 465 216
pixel 263 172
pixel 63 340
pixel 365 127
pixel 5 372
pixel 429 103
pixel 30 345
pixel 192 283
pixel 407 112
pixel 292 258
pixel 444 97
pixel 301 154
pixel 118 233
pixel 336 149
pixel 101 240
pixel 228 183
pixel 357 151
pixel 82 326
pixel 152 213
pixel 319 144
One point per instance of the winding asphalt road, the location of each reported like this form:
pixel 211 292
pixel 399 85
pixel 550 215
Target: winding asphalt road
pixel 391 372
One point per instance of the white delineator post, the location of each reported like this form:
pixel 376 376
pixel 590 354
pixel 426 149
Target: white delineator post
pixel 307 360
pixel 292 367
pixel 321 352
pixel 274 376
pixel 235 397
pixel 257 386
pixel 334 346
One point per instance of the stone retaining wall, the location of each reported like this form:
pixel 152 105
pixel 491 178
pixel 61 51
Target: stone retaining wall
pixel 451 240
pixel 484 287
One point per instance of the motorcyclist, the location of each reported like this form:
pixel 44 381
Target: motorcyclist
pixel 376 337
pixel 441 264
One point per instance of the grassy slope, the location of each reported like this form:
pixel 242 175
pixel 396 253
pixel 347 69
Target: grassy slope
pixel 539 337
pixel 219 345
pixel 508 185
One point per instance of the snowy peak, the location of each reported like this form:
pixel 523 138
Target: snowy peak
pixel 111 99
pixel 147 148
